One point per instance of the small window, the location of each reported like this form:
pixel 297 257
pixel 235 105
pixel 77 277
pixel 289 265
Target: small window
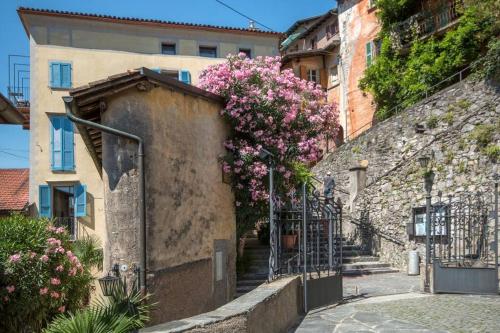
pixel 208 51
pixel 168 48
pixel 247 52
pixel 314 43
pixel 369 53
pixel 331 30
pixel 60 75
pixel 334 74
pixel 313 75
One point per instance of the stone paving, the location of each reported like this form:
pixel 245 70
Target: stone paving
pixel 409 311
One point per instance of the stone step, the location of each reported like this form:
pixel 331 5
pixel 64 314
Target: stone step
pixel 244 289
pixel 360 259
pixel 356 253
pixel 368 271
pixel 364 265
pixel 256 282
pixel 253 276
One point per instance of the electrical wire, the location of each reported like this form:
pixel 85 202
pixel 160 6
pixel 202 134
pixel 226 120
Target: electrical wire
pixel 14 155
pixel 246 16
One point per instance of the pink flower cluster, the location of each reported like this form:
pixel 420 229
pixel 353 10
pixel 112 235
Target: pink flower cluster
pixel 269 108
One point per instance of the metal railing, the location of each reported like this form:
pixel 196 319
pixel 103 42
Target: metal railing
pixel 70 223
pixel 365 232
pixel 19 95
pixel 455 78
pixel 425 23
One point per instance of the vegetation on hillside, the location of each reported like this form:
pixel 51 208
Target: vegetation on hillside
pixel 400 76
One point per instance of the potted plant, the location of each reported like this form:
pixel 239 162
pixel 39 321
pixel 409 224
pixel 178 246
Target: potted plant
pixel 289 239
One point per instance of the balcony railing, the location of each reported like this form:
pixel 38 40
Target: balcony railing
pixel 424 24
pixel 19 95
pixel 70 223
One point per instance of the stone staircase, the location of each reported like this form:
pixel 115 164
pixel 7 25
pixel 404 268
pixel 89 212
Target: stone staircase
pixel 257 273
pixel 355 262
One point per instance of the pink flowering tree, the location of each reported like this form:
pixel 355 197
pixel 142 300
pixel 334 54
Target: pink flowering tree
pixel 272 109
pixel 40 275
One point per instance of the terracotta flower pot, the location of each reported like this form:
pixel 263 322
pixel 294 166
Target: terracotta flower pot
pixel 289 241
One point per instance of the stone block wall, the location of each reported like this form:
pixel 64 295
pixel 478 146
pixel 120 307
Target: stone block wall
pixel 450 120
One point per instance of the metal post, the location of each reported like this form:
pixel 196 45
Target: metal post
pixel 304 226
pixel 428 227
pixel 272 228
pixel 496 224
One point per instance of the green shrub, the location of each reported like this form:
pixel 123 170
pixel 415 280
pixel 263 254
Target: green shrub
pixel 448 118
pixel 432 121
pixel 40 276
pixel 492 151
pixel 400 79
pixel 483 134
pixel 464 104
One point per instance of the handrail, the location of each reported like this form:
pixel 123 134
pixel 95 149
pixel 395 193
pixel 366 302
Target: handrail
pixel 335 189
pixel 378 232
pixel 397 109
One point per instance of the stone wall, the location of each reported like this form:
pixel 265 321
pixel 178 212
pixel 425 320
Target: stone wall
pixel 270 308
pixel 394 186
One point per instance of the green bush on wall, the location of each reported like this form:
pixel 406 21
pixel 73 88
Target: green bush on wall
pixel 398 78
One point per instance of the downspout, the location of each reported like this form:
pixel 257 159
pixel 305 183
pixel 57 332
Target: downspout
pixel 70 107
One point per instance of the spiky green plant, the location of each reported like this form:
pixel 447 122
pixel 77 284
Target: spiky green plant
pixel 121 313
pixel 89 250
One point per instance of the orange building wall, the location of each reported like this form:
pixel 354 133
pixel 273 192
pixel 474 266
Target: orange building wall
pixel 358 26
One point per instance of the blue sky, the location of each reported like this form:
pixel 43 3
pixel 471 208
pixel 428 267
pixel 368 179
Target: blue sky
pixel 277 14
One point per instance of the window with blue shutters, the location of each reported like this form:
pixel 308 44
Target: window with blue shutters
pixel 62 144
pixel 44 201
pixel 60 75
pixel 185 76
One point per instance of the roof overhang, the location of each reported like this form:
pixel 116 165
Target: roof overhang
pixel 24 12
pixel 9 114
pixel 91 100
pixel 310 53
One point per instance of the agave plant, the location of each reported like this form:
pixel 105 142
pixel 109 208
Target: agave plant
pixel 89 251
pixel 121 313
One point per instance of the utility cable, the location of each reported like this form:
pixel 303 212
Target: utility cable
pixel 14 155
pixel 246 16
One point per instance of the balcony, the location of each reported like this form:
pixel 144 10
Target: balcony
pixel 18 89
pixel 427 23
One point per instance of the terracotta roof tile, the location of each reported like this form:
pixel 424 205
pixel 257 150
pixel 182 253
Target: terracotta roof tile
pixel 119 19
pixel 13 189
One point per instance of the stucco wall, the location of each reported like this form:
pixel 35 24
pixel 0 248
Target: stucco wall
pixel 190 211
pixel 358 26
pixel 391 149
pixel 147 39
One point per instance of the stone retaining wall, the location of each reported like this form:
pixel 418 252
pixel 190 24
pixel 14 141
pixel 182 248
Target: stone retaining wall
pixel 394 185
pixel 270 308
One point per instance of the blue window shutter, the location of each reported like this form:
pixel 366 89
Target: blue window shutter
pixel 56 142
pixel 65 75
pixel 185 76
pixel 55 74
pixel 80 200
pixel 68 160
pixel 44 200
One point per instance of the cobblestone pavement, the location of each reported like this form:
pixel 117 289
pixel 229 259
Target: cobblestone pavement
pixel 380 284
pixel 407 312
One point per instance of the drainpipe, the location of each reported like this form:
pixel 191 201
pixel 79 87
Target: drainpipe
pixel 70 107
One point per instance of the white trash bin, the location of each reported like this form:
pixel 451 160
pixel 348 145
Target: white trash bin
pixel 413 263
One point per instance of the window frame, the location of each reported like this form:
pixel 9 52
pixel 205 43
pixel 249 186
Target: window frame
pixel 59 85
pixel 313 42
pixel 244 49
pixel 64 121
pixel 316 75
pixel 173 44
pixel 203 46
pixel 332 81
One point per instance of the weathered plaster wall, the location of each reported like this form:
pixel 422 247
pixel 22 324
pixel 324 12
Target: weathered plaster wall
pixel 391 149
pixel 358 26
pixel 190 211
pixel 145 39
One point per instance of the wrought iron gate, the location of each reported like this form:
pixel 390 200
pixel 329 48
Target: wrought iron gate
pixel 464 244
pixel 306 238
